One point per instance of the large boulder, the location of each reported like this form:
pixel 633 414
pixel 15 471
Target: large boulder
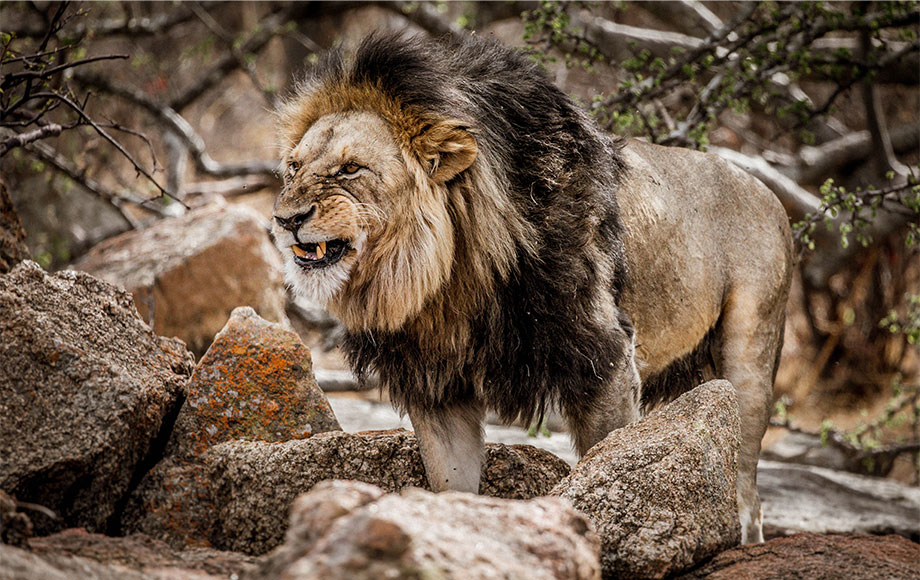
pixel 253 521
pixel 810 556
pixel 348 530
pixel 805 498
pixel 85 388
pixel 12 236
pixel 76 554
pixel 661 491
pixel 254 383
pixel 188 273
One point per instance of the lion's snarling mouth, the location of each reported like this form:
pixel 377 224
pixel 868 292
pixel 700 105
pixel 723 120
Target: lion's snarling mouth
pixel 319 254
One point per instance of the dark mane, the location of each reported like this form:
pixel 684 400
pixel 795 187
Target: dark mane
pixel 537 340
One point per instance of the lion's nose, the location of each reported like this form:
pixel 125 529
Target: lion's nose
pixel 293 223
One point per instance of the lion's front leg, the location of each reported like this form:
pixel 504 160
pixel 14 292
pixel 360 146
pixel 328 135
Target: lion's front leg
pixel 451 442
pixel 617 405
pixel 620 407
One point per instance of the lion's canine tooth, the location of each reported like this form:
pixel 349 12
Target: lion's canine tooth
pixel 298 251
pixel 320 250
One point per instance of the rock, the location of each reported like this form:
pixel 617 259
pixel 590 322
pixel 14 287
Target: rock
pixel 252 521
pixel 810 556
pixel 85 389
pixel 807 449
pixel 76 554
pixel 255 383
pixel 348 530
pixel 12 236
pixel 799 498
pixel 61 218
pixel 15 526
pixel 188 273
pixel 520 471
pixel 172 504
pixel 661 491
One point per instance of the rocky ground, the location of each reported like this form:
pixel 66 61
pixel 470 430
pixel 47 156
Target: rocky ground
pixel 124 458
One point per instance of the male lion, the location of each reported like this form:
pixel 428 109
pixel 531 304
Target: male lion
pixel 487 247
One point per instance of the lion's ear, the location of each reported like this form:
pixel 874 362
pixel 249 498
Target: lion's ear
pixel 446 149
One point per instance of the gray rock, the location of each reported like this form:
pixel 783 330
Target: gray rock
pixel 348 530
pixel 75 554
pixel 252 520
pixel 85 386
pixel 807 449
pixel 188 273
pixel 816 557
pixel 802 498
pixel 254 383
pixel 661 492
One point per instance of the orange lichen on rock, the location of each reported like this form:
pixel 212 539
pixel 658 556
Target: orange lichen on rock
pixel 255 383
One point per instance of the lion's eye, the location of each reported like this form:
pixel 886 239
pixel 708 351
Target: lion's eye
pixel 292 168
pixel 350 169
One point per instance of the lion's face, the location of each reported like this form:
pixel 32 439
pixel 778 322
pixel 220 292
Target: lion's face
pixel 363 223
pixel 338 183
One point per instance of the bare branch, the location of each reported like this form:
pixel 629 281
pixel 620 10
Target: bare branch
pixel 270 26
pixel 616 41
pixel 883 153
pixel 689 16
pixel 102 133
pixel 816 164
pixel 62 164
pixel 177 124
pixel 15 78
pixel 856 455
pixel 118 26
pixel 426 16
pixel 23 139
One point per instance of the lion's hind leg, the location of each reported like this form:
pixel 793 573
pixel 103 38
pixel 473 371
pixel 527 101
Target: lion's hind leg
pixel 751 337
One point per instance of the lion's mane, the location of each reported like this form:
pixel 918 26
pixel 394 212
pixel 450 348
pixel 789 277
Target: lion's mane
pixel 494 289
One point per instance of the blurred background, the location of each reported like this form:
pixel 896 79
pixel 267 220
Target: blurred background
pixel 134 136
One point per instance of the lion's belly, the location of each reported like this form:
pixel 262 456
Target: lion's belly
pixel 671 312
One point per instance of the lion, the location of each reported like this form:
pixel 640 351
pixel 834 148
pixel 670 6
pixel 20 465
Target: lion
pixel 487 247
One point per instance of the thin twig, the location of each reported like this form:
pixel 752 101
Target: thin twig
pixel 77 109
pixel 62 164
pixel 9 79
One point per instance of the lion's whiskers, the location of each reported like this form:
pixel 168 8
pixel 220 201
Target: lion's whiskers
pixel 367 212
